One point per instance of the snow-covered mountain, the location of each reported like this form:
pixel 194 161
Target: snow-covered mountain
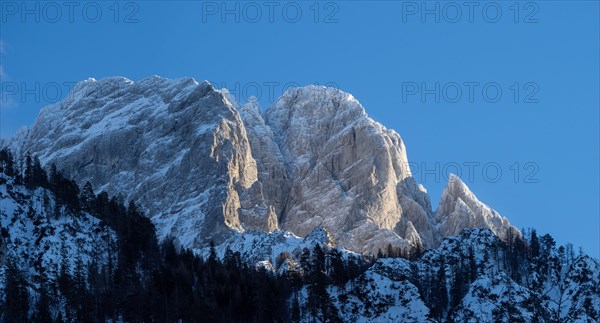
pixel 204 167
pixel 40 235
pixel 471 277
pixel 86 257
pixel 459 208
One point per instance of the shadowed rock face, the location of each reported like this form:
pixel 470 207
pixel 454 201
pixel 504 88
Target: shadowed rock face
pixel 203 166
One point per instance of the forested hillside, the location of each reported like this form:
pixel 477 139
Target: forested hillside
pixel 68 254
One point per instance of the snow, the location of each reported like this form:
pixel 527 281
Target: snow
pixel 312 159
pixel 36 234
pixel 200 165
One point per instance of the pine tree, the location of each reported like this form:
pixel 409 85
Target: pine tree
pixel 295 309
pixel 318 297
pixel 338 270
pixel 29 178
pixel 212 257
pixel 55 179
pixel 458 287
pixel 439 293
pixel 71 195
pixel 534 244
pixel 65 282
pixel 169 251
pixel 7 162
pixel 40 178
pixel 318 261
pixel 80 289
pixel 472 266
pixel 42 308
pixel 305 262
pixel 229 259
pixel 87 197
pixel 417 251
pixel 16 302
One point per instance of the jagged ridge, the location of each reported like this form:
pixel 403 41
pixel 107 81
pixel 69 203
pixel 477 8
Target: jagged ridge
pixel 203 166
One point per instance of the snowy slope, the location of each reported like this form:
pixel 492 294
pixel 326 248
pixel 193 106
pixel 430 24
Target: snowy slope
pixel 177 147
pixel 473 269
pixel 42 236
pixel 400 290
pixel 259 246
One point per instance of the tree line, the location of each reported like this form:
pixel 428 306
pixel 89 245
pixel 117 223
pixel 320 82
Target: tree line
pixel 145 280
pixel 151 281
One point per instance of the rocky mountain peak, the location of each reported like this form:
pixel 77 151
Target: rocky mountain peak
pixel 202 166
pixel 459 208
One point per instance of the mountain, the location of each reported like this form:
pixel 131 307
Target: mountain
pixel 342 170
pixel 176 147
pixel 470 277
pixel 204 167
pixel 69 255
pixel 459 208
pixel 40 235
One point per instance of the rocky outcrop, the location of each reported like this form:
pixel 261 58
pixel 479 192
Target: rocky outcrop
pixel 459 209
pixel 203 166
pixel 175 146
pixel 273 185
pixel 346 171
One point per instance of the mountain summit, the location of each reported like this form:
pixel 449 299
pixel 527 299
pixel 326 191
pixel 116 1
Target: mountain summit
pixel 203 166
pixel 459 208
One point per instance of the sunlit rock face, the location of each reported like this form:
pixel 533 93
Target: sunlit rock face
pixel 459 208
pixel 346 172
pixel 203 166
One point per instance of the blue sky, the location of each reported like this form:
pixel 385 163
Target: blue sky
pixel 431 71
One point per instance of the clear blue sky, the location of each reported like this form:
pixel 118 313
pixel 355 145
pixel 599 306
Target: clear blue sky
pixel 385 54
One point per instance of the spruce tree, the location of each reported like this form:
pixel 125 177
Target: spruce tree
pixel 295 309
pixel 42 308
pixel 87 197
pixel 212 257
pixel 7 162
pixel 534 244
pixel 40 178
pixel 16 302
pixel 305 262
pixel 439 293
pixel 28 177
pixel 458 287
pixel 338 270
